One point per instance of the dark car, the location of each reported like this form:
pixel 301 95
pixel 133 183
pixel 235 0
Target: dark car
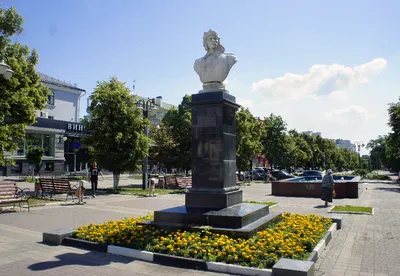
pixel 312 173
pixel 281 175
pixel 259 174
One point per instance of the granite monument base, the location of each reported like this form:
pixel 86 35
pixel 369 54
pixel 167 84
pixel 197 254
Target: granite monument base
pixel 213 201
pixel 243 219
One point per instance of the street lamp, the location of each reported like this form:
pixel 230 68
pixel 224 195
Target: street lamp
pixel 146 105
pixel 359 145
pixel 5 70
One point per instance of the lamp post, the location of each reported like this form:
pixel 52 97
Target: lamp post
pixel 5 69
pixel 359 145
pixel 146 105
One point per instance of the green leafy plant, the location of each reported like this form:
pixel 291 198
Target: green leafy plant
pixel 35 156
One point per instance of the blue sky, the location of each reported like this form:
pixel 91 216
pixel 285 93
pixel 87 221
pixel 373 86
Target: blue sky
pixel 329 66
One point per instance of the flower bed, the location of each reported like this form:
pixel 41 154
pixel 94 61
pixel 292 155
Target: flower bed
pixel 293 237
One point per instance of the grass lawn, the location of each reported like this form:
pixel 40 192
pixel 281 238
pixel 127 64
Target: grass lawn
pixel 269 203
pixel 141 192
pixel 349 208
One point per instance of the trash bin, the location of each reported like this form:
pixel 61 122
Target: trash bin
pixel 161 181
pixel 152 182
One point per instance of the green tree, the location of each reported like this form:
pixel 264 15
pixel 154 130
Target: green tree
pixel 23 94
pixel 312 143
pixel 117 140
pixel 179 124
pixel 393 140
pixel 163 143
pixel 248 134
pixel 377 149
pixel 275 141
pixel 301 151
pixel 35 156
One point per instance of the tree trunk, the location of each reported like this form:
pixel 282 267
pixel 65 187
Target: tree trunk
pixel 116 180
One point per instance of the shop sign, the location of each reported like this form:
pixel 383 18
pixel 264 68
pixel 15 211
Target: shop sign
pixel 76 127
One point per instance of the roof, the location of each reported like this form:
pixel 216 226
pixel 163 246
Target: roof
pixel 47 79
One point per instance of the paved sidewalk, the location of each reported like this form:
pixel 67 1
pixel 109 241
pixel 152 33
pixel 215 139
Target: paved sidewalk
pixel 367 245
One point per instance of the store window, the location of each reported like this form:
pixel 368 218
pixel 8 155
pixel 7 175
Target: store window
pixel 21 145
pixel 49 166
pixel 47 141
pixel 17 167
pixel 48 145
pixel 33 139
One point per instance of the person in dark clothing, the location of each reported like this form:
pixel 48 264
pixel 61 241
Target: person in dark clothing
pixel 327 188
pixel 93 175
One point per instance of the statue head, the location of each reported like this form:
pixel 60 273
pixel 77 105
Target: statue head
pixel 211 42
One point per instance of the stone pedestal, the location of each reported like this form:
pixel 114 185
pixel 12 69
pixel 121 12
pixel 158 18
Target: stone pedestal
pixel 215 199
pixel 213 152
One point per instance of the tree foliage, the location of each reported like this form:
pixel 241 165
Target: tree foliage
pixel 163 145
pixel 178 124
pixel 275 140
pixel 35 156
pixel 248 134
pixel 23 94
pixel 117 140
pixel 378 152
pixel 393 139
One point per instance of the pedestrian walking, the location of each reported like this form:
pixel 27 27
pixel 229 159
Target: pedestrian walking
pixel 328 188
pixel 93 175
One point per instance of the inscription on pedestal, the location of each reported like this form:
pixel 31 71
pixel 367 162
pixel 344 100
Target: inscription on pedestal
pixel 206 121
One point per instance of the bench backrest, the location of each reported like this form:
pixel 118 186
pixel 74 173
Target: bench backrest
pixel 61 185
pixel 8 190
pixel 46 184
pixel 184 182
pixel 170 180
pixel 55 185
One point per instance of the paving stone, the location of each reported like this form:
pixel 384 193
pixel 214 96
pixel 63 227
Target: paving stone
pixel 367 243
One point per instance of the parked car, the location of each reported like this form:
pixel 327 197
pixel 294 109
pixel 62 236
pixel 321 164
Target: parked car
pixel 312 173
pixel 259 173
pixel 279 174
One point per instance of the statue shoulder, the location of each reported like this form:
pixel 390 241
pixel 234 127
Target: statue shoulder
pixel 197 64
pixel 231 57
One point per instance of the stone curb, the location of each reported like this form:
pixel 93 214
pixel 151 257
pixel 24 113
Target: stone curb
pixel 315 254
pixel 351 212
pixel 272 206
pixel 281 268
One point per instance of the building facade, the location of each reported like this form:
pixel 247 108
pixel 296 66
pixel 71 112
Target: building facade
pixel 345 144
pixel 57 130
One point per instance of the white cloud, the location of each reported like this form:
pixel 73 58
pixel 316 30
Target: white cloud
pixel 350 111
pixel 321 80
pixel 245 102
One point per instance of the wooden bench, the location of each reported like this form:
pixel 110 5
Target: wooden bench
pixel 184 182
pixel 57 186
pixel 10 193
pixel 170 181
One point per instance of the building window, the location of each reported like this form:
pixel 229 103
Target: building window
pixel 21 146
pixel 49 166
pixel 48 145
pixel 33 140
pixel 46 141
pixel 50 98
pixel 17 168
pixel 51 117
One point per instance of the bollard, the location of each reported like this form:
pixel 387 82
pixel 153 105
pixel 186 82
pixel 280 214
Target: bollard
pixel 151 186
